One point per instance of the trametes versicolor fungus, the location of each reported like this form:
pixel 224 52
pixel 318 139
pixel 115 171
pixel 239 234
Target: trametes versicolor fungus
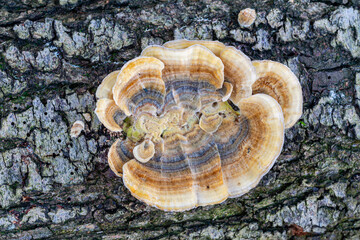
pixel 202 122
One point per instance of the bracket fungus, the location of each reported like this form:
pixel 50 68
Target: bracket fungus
pixel 202 122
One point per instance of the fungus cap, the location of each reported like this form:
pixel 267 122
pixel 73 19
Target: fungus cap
pixel 135 78
pixel 144 151
pixel 238 69
pixel 278 81
pixel 215 46
pixel 226 91
pixel 115 161
pixel 105 88
pixel 109 114
pixel 194 63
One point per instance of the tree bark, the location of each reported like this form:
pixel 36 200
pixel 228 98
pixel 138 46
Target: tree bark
pixel 54 54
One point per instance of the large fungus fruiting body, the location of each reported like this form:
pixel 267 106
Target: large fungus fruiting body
pixel 202 122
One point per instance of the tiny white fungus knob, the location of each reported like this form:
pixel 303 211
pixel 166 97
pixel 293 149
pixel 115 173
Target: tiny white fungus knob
pixel 246 17
pixel 76 128
pixel 144 151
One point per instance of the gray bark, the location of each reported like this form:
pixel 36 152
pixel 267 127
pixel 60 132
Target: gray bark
pixel 53 55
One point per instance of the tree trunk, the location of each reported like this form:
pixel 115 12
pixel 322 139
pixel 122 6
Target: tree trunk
pixel 54 54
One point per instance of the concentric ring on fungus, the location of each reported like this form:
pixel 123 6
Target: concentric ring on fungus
pixel 202 122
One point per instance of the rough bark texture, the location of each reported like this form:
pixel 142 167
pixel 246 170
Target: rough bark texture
pixel 53 55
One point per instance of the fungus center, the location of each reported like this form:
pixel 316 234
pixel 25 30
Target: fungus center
pixel 178 120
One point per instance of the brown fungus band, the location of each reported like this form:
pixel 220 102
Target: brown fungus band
pixel 202 122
